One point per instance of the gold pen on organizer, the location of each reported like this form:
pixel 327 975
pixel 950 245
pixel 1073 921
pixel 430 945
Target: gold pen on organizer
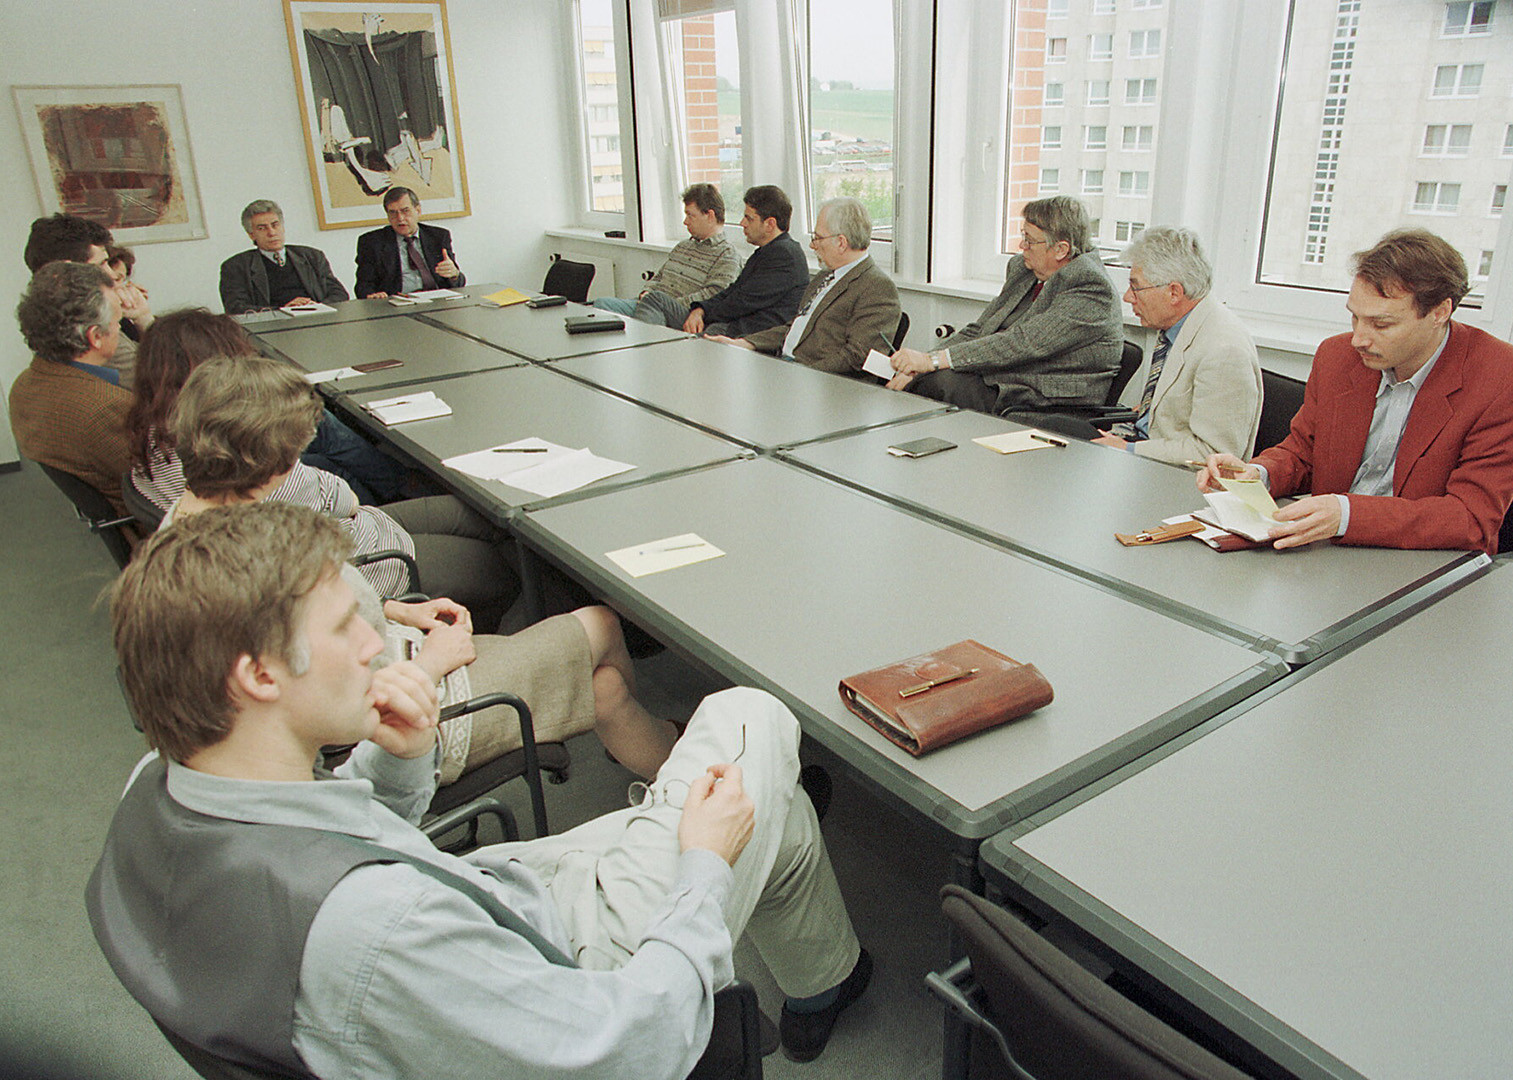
pixel 1228 472
pixel 933 683
pixel 1047 439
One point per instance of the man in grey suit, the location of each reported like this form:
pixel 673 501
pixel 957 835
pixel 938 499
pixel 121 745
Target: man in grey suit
pixel 848 310
pixel 1203 392
pixel 274 274
pixel 1050 340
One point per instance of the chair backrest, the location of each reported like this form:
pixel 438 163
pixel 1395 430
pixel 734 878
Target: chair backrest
pixel 147 512
pixel 94 510
pixel 1129 363
pixel 1281 398
pixel 902 331
pixel 570 279
pixel 1059 1020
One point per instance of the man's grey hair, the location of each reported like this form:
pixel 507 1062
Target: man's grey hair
pixel 64 301
pixel 849 218
pixel 259 206
pixel 1063 219
pixel 1167 254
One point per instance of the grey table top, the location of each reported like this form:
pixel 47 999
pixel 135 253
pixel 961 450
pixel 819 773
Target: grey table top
pixel 360 311
pixel 1064 505
pixel 1327 868
pixel 540 334
pixel 428 352
pixel 819 582
pixel 494 407
pixel 757 400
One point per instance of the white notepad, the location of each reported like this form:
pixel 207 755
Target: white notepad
pixel 669 554
pixel 424 405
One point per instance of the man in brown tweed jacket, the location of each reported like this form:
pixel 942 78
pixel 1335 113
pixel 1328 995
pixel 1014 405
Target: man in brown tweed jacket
pixel 67 409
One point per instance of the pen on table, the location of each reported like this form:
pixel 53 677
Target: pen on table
pixel 674 547
pixel 933 683
pixel 518 450
pixel 1047 439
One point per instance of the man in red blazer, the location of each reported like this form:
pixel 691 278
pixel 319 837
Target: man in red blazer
pixel 1405 437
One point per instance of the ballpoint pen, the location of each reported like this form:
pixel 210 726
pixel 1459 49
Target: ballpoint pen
pixel 518 449
pixel 1047 439
pixel 887 345
pixel 933 683
pixel 674 547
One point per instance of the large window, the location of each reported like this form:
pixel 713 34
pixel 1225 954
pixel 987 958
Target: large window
pixel 703 62
pixel 601 112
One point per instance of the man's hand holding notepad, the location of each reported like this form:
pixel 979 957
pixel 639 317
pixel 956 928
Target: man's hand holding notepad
pixel 1244 507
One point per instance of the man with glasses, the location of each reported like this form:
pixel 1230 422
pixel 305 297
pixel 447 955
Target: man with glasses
pixel 1051 339
pixel 343 942
pixel 406 255
pixel 767 290
pixel 1203 391
pixel 849 309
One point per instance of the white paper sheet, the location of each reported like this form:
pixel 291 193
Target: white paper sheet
pixel 540 467
pixel 1017 442
pixel 659 555
pixel 879 365
pixel 315 378
pixel 424 405
pixel 425 295
pixel 314 307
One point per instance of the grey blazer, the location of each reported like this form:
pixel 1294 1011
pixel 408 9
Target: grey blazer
pixel 856 316
pixel 1063 350
pixel 1208 398
pixel 244 278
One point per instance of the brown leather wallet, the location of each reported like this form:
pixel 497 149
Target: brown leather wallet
pixel 938 697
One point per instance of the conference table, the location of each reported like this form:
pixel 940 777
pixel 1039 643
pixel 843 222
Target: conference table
pixel 746 397
pixel 540 334
pixel 1063 505
pixel 425 352
pixel 348 311
pixel 1322 872
pixel 817 582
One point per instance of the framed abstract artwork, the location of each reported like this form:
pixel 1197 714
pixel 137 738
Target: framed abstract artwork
pixel 118 155
pixel 379 106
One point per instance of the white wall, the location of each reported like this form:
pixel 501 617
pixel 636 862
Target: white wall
pixel 232 61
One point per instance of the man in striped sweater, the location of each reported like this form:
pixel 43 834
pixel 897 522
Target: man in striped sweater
pixel 698 268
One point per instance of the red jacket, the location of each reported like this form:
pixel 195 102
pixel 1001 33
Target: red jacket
pixel 1453 480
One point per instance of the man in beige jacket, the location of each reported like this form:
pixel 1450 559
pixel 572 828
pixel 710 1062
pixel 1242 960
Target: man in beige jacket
pixel 1203 393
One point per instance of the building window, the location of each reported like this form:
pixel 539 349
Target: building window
pixel 1056 9
pixel 1457 80
pixel 1484 266
pixel 1055 50
pixel 1125 231
pixel 1447 140
pixel 1499 198
pixel 1436 197
pixel 1055 93
pixel 1463 19
pixel 1144 44
pixel 601 106
pixel 1139 91
pixel 1507 142
pixel 1141 5
pixel 1103 7
pixel 1050 137
pixel 1135 184
pixel 1100 47
pixel 1050 181
pixel 702 53
pixel 1092 183
pixel 1097 91
pixel 1138 137
pixel 1095 227
pixel 851 109
pixel 1095 137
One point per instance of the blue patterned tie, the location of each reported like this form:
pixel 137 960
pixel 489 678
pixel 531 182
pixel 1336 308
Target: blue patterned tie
pixel 1158 361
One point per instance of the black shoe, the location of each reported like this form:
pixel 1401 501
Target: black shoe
pixel 804 1035
pixel 816 784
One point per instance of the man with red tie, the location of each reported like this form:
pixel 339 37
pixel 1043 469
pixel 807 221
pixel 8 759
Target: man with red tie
pixel 406 257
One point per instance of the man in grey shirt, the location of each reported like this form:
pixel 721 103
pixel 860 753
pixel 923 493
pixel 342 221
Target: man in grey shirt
pixel 343 942
pixel 698 267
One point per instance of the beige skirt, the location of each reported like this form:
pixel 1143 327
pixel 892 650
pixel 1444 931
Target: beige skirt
pixel 547 664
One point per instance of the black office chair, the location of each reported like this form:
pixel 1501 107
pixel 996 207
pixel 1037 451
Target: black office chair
pixel 902 331
pixel 146 512
pixel 1037 1014
pixel 570 279
pixel 1281 398
pixel 1085 423
pixel 117 532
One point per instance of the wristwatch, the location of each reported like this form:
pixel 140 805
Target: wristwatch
pixel 935 361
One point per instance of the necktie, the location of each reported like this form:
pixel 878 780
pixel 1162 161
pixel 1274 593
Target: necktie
pixel 278 257
pixel 1158 361
pixel 819 287
pixel 427 279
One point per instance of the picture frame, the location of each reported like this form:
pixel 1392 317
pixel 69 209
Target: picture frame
pixel 378 102
pixel 119 155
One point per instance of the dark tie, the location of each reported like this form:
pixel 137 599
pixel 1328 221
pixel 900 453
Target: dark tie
pixel 1158 361
pixel 278 257
pixel 427 279
pixel 819 287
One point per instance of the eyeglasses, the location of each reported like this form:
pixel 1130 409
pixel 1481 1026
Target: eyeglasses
pixel 1026 240
pixel 815 238
pixel 1142 288
pixel 674 792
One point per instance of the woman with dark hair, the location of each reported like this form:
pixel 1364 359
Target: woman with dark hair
pixel 458 552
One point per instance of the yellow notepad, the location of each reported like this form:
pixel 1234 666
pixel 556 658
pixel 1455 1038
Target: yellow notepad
pixel 506 297
pixel 1017 442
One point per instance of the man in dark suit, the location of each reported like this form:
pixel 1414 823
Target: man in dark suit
pixel 274 274
pixel 768 289
pixel 1050 340
pixel 848 310
pixel 407 256
pixel 1405 437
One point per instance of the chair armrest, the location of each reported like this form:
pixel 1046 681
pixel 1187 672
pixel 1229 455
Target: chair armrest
pixel 412 569
pixel 527 745
pixel 955 988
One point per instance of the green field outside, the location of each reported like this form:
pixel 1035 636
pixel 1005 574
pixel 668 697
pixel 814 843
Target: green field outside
pixel 867 113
